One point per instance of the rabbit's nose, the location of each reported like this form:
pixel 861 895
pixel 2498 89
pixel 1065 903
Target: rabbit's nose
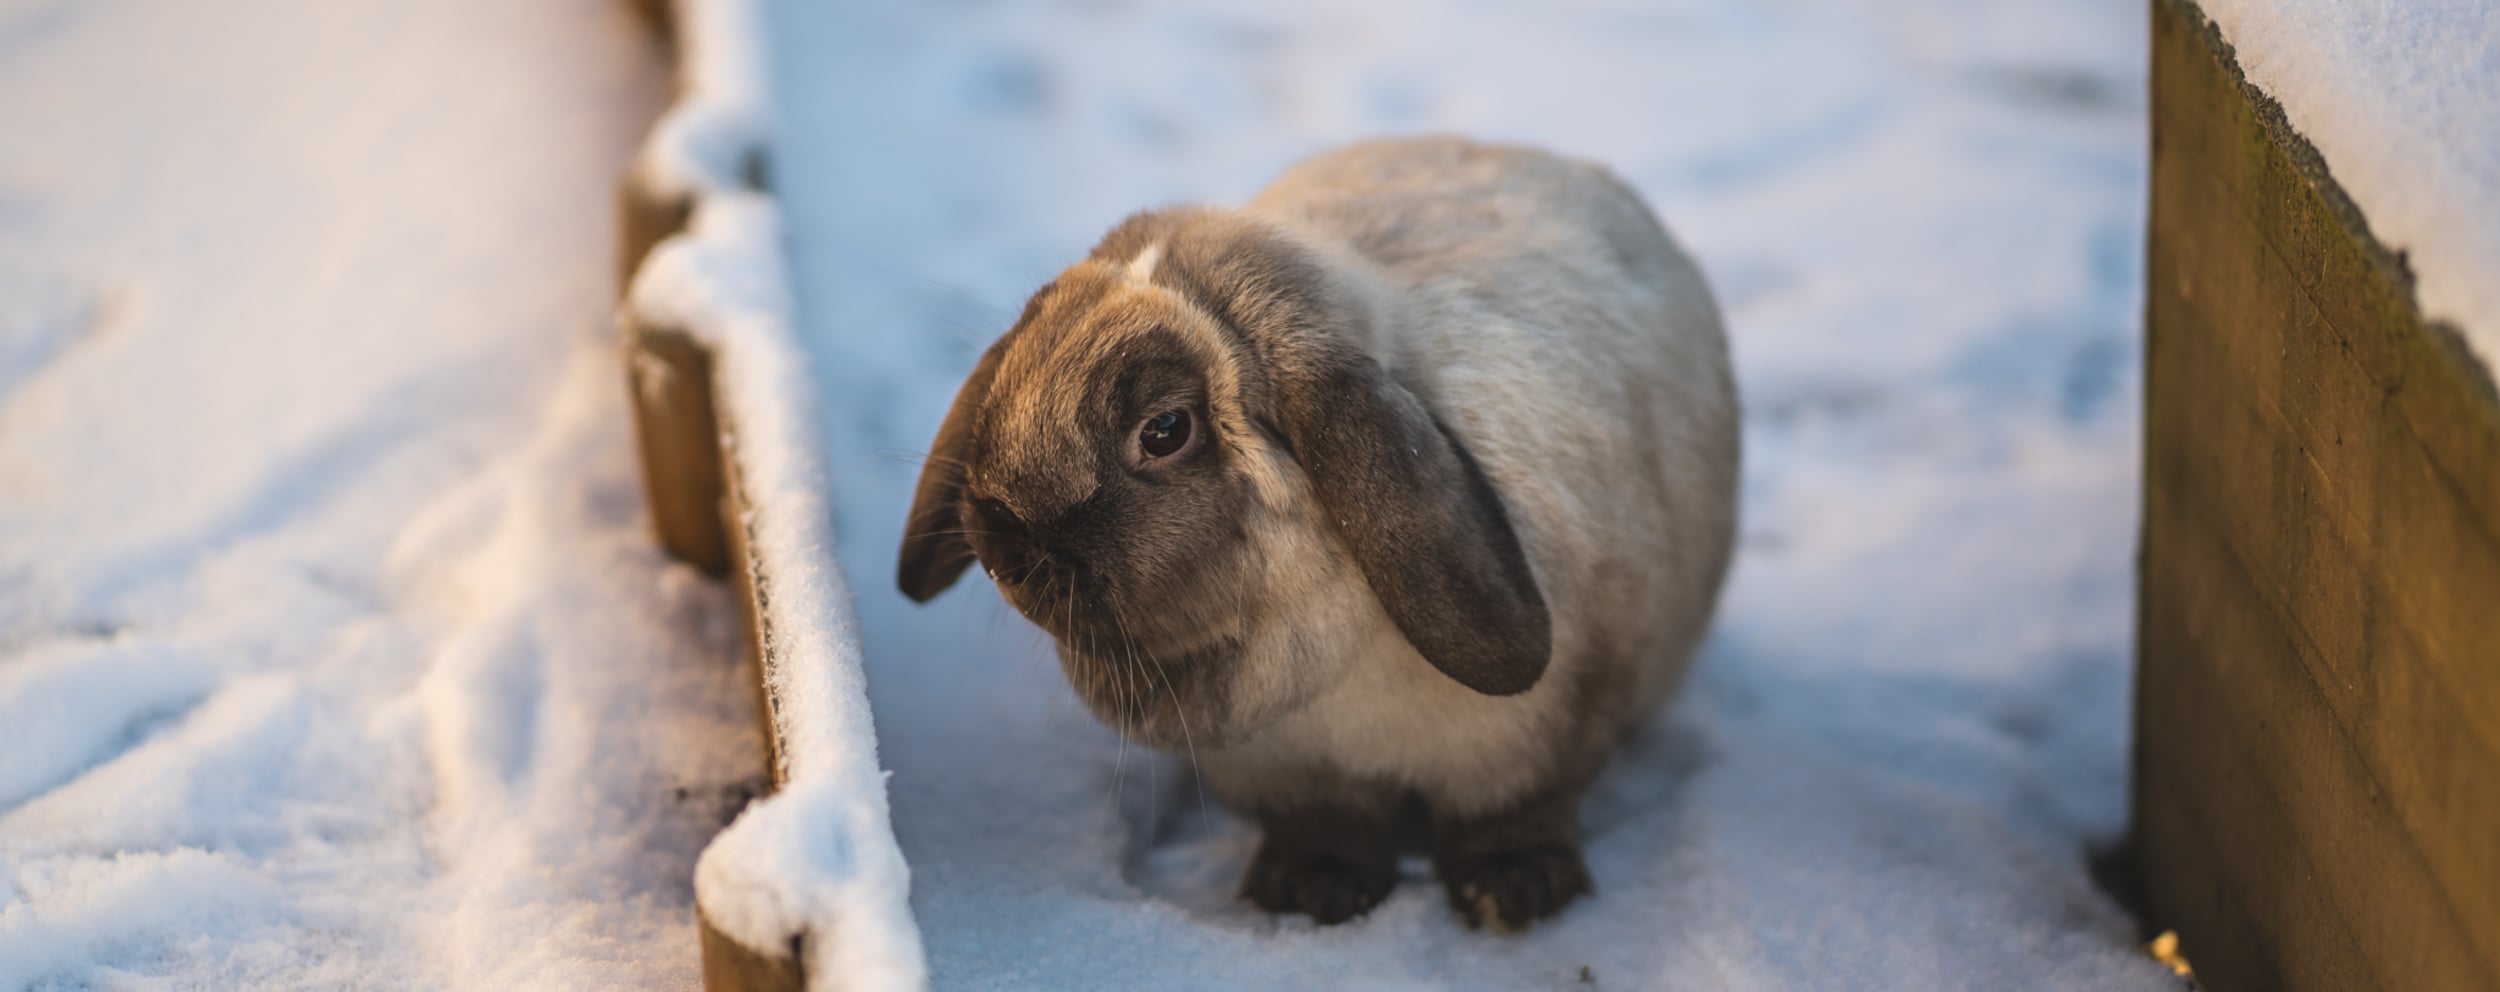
pixel 995 519
pixel 1006 544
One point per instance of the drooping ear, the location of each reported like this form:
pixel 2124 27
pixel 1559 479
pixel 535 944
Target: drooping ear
pixel 1425 525
pixel 935 552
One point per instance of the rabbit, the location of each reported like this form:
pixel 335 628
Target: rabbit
pixel 1396 496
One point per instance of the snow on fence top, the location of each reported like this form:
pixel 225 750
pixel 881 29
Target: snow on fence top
pixel 2402 99
pixel 715 136
pixel 818 857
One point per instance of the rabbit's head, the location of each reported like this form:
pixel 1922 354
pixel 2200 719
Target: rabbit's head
pixel 1182 463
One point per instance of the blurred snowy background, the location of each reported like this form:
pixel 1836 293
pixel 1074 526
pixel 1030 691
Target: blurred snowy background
pixel 333 649
pixel 1924 221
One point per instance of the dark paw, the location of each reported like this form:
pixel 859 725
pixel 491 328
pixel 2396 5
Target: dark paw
pixel 1505 891
pixel 1324 887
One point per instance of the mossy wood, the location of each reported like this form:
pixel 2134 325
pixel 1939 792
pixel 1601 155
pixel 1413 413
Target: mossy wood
pixel 2317 773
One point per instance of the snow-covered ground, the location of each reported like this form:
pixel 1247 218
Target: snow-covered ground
pixel 334 650
pixel 1924 220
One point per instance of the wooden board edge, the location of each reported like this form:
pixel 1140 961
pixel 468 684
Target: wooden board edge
pixel 729 966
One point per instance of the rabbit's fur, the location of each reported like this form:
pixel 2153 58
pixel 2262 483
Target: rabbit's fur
pixel 1458 495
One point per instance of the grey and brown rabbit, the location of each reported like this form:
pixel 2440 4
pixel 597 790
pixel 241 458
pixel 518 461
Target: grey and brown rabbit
pixel 1410 484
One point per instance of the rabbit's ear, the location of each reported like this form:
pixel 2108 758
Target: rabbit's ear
pixel 935 551
pixel 1425 525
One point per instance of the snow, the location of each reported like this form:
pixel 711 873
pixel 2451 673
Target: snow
pixel 2402 99
pixel 334 646
pixel 335 649
pixel 1924 220
pixel 721 119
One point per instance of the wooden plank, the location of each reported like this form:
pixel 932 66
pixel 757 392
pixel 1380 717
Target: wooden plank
pixel 2289 813
pixel 754 592
pixel 659 16
pixel 2306 435
pixel 669 381
pixel 669 375
pixel 2318 718
pixel 729 966
pixel 644 218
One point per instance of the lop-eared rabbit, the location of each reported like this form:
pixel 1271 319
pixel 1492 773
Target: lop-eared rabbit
pixel 1406 488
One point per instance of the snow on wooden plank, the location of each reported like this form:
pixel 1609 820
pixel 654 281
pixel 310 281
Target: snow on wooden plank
pixel 807 889
pixel 2315 761
pixel 2402 99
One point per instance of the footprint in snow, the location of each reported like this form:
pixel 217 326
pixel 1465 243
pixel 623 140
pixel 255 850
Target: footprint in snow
pixel 43 318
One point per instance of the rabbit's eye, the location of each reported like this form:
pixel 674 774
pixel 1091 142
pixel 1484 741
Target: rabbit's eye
pixel 1164 433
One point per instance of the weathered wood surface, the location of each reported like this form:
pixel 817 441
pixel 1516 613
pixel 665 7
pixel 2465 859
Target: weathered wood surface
pixel 754 587
pixel 678 429
pixel 2318 699
pixel 644 218
pixel 729 967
